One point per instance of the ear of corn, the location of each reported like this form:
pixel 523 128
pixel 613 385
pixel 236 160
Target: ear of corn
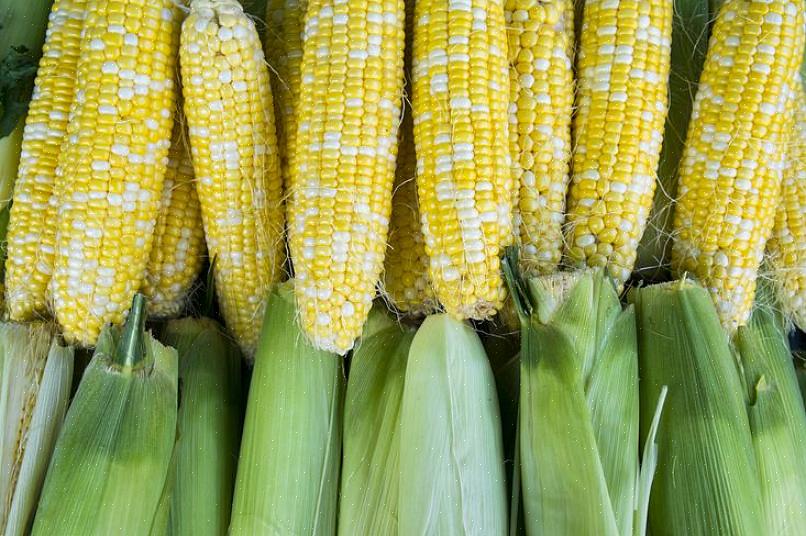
pixel 786 248
pixel 291 447
pixel 230 115
pixel 32 228
pixel 112 167
pixel 777 422
pixel 368 498
pixel 115 446
pixel 707 478
pixel 208 427
pixel 451 454
pixel 341 183
pixel 731 173
pixel 36 376
pixel 541 36
pixel 178 251
pixel 464 182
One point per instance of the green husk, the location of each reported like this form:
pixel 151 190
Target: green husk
pixel 36 377
pixel 451 453
pixel 288 471
pixel 112 455
pixel 706 481
pixel 800 370
pixel 777 422
pixel 208 427
pixel 578 423
pixel 689 45
pixel 369 478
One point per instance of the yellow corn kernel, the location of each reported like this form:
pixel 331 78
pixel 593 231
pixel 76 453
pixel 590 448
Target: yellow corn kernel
pixel 230 115
pixel 344 167
pixel 464 180
pixel 111 168
pixel 541 35
pixel 623 66
pixel 731 172
pixel 32 227
pixel 178 251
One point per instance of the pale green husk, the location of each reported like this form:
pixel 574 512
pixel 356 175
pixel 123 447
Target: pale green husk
pixel 368 500
pixel 36 377
pixel 288 471
pixel 707 480
pixel 111 458
pixel 777 422
pixel 208 427
pixel 451 453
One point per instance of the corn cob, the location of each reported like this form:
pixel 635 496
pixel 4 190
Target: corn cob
pixel 32 228
pixel 541 36
pixel 464 181
pixel 178 250
pixel 229 109
pixel 111 168
pixel 343 171
pixel 623 76
pixel 787 245
pixel 731 173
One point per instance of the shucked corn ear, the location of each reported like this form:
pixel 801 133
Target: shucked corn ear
pixel 451 454
pixel 777 422
pixel 35 378
pixel 112 456
pixel 230 115
pixel 731 173
pixel 178 251
pixel 787 245
pixel 111 170
pixel 541 35
pixel 344 163
pixel 32 228
pixel 464 182
pixel 202 474
pixel 291 446
pixel 623 67
pixel 706 479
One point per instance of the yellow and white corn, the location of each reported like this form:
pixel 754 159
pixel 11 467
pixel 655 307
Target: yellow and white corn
pixel 623 65
pixel 731 173
pixel 230 116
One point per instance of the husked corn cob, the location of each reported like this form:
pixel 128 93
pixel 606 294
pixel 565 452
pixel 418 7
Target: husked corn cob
pixel 344 163
pixel 731 173
pixel 541 34
pixel 178 250
pixel 111 168
pixel 787 245
pixel 464 181
pixel 406 282
pixel 32 228
pixel 230 114
pixel 623 71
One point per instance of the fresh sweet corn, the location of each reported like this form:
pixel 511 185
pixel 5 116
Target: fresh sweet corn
pixel 32 228
pixel 344 163
pixel 230 115
pixel 731 174
pixel 623 65
pixel 111 169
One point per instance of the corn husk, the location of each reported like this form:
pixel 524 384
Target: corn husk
pixel 288 471
pixel 706 481
pixel 368 500
pixel 208 427
pixel 36 377
pixel 112 455
pixel 451 453
pixel 800 371
pixel 777 422
pixel 578 424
